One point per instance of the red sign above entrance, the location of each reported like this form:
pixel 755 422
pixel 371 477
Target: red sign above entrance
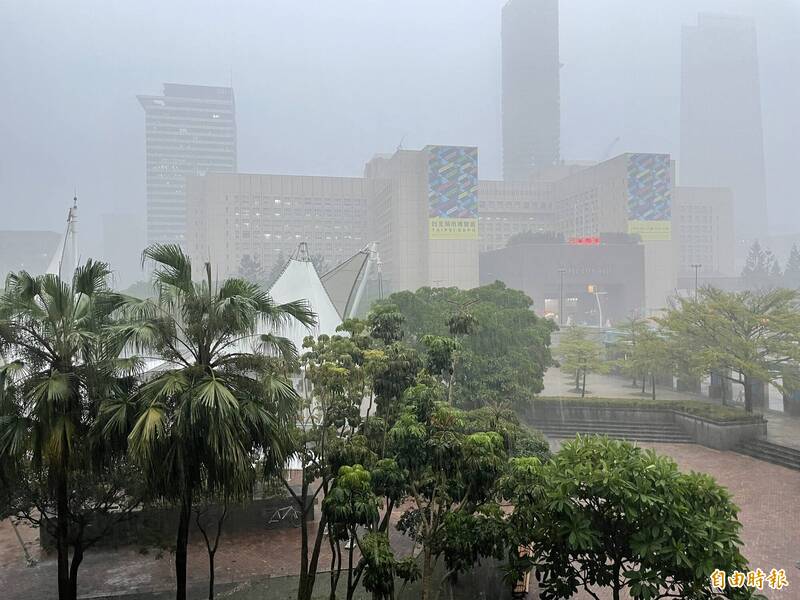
pixel 584 241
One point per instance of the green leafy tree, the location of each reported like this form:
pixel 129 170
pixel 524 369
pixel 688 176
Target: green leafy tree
pixel 351 504
pixel 386 323
pixel 198 425
pixel 607 514
pixel 335 383
pixel 650 357
pixel 342 372
pixel 61 364
pixel 581 355
pixel 630 332
pixel 747 337
pixel 441 358
pixel 449 471
pixel 382 567
pixel 501 359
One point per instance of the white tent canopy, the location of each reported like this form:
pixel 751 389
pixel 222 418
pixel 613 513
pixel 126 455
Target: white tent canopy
pixel 300 281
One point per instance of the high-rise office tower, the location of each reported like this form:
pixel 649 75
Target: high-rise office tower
pixel 531 88
pixel 190 130
pixel 722 142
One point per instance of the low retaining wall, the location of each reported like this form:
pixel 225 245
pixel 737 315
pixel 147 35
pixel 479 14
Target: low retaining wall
pixel 720 435
pixel 553 411
pixel 482 582
pixel 154 526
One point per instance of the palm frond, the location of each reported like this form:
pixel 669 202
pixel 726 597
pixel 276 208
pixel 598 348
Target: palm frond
pixel 148 431
pixel 173 266
pixel 275 345
pixel 299 310
pixel 91 278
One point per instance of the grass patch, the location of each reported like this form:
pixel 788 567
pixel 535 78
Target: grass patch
pixel 707 410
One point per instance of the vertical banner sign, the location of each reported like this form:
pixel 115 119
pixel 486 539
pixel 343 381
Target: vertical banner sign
pixel 452 192
pixel 650 196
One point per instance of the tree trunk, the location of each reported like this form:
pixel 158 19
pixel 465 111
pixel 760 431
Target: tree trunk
pixel 427 573
pixel 653 384
pixel 303 584
pixel 350 586
pixel 748 395
pixel 336 564
pixel 211 575
pixel 77 558
pixel 62 534
pixel 644 383
pixel 181 544
pixel 583 389
pixel 577 379
pixel 615 585
pixel 312 569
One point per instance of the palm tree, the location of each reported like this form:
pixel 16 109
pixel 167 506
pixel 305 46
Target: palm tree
pixel 57 366
pixel 217 403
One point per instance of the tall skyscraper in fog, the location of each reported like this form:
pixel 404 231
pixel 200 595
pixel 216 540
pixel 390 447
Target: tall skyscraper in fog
pixel 722 142
pixel 531 89
pixel 190 130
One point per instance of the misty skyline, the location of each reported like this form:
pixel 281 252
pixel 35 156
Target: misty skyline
pixel 321 88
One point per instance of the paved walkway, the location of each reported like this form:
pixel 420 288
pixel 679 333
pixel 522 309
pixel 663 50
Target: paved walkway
pixel 781 429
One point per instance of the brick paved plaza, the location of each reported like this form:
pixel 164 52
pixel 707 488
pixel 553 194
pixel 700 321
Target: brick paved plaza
pixel 767 495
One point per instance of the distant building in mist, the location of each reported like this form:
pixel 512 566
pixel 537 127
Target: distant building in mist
pixel 123 242
pixel 190 130
pixel 703 228
pixel 631 193
pixel 423 212
pixel 605 274
pixel 265 217
pixel 509 208
pixel 531 88
pixel 29 251
pixel 722 142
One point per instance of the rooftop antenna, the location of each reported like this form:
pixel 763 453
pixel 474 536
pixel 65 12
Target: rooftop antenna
pixel 400 145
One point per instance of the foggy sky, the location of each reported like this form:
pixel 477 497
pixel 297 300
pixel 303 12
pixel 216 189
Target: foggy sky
pixel 321 86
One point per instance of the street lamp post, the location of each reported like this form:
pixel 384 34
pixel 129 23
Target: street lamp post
pixel 561 272
pixel 597 295
pixel 696 268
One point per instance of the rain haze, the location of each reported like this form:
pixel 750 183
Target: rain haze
pixel 399 299
pixel 321 87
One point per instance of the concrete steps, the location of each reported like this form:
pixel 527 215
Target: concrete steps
pixel 771 453
pixel 640 432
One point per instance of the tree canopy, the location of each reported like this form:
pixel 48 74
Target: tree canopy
pixel 216 406
pixel 746 336
pixel 581 355
pixel 503 356
pixel 607 514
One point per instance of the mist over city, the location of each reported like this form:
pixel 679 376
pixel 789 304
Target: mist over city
pixel 396 300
